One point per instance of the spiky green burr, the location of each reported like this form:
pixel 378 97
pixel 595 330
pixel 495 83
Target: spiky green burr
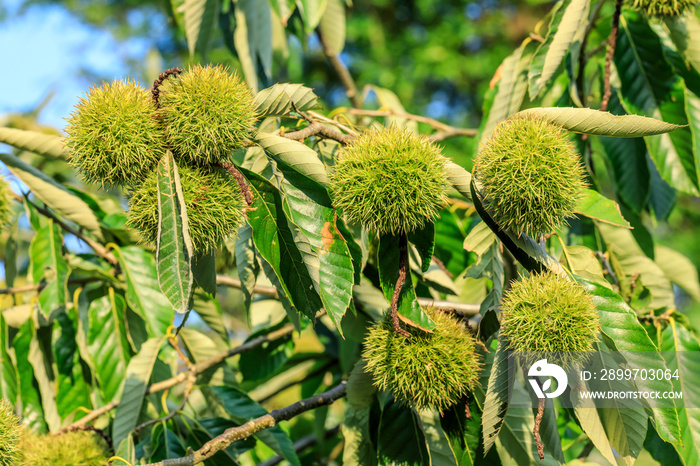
pixel 215 205
pixel 77 448
pixel 663 8
pixel 424 370
pixel 545 315
pixel 10 433
pixel 113 134
pixel 390 180
pixel 530 174
pixel 207 113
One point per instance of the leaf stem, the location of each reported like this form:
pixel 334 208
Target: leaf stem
pixel 403 271
pixel 536 429
pixel 612 41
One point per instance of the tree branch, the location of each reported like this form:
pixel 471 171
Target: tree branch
pixel 444 130
pixel 253 426
pixel 467 309
pixel 318 128
pixel 612 41
pixel 341 70
pixel 242 182
pixel 301 445
pixel 196 370
pixel 41 286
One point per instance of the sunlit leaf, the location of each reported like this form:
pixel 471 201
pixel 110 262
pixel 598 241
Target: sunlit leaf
pixel 49 145
pixel 598 207
pixel 295 154
pixel 278 99
pixel 200 19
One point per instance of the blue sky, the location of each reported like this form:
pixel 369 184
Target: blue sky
pixel 44 50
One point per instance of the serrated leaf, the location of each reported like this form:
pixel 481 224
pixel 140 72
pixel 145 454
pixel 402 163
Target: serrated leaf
pixel 309 207
pixel 619 322
pixel 515 443
pixel 295 154
pixel 582 261
pixel 200 17
pixel 460 179
pixel 48 145
pixel 625 422
pixel 685 34
pixel 50 267
pixel 174 245
pixel 399 436
pixel 500 384
pixel 678 269
pixel 568 18
pixel 246 265
pixel 595 122
pixel 276 244
pixel 107 345
pixel 408 308
pixel 598 207
pixel 311 13
pixel 138 374
pixel 277 100
pixel 143 293
pixel 258 26
pixel 650 87
pixel 54 195
pixel 512 87
pixel 242 409
pixel 680 348
pixel 332 25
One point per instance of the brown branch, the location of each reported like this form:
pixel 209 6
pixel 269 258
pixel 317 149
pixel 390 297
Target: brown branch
pixel 301 445
pixel 536 429
pixel 99 249
pixel 155 90
pixel 191 379
pixel 330 121
pixel 442 135
pixel 253 426
pixel 196 370
pixel 271 292
pixel 403 272
pixel 41 286
pixel 318 128
pixel 341 70
pixel 242 182
pixel 612 41
pixel 438 125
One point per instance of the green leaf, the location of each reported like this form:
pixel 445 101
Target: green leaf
pixel 598 207
pixel 685 34
pixel 54 195
pixel 208 309
pixel 388 100
pixel 283 8
pixel 680 348
pixel 650 87
pixel 511 88
pixel 276 244
pixel 262 362
pixel 589 420
pixel 138 374
pixel 165 443
pixel 244 49
pixel 311 13
pixel 569 17
pixel 678 269
pixel 515 442
pixel 583 262
pixel 309 207
pixel 174 245
pixel 332 25
pixel 620 324
pixel 143 293
pixel 625 422
pixel 408 308
pixel 242 409
pixel 72 390
pixel 460 179
pixel 246 265
pixel 258 26
pixel 497 398
pixel 361 392
pixel 48 145
pixel 295 154
pixel 204 270
pixel 400 439
pixel 107 344
pixel 424 241
pixel 49 267
pixel 439 448
pixel 278 99
pixel 9 386
pixel 201 348
pixel 200 19
pixel 32 410
pixel 595 122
